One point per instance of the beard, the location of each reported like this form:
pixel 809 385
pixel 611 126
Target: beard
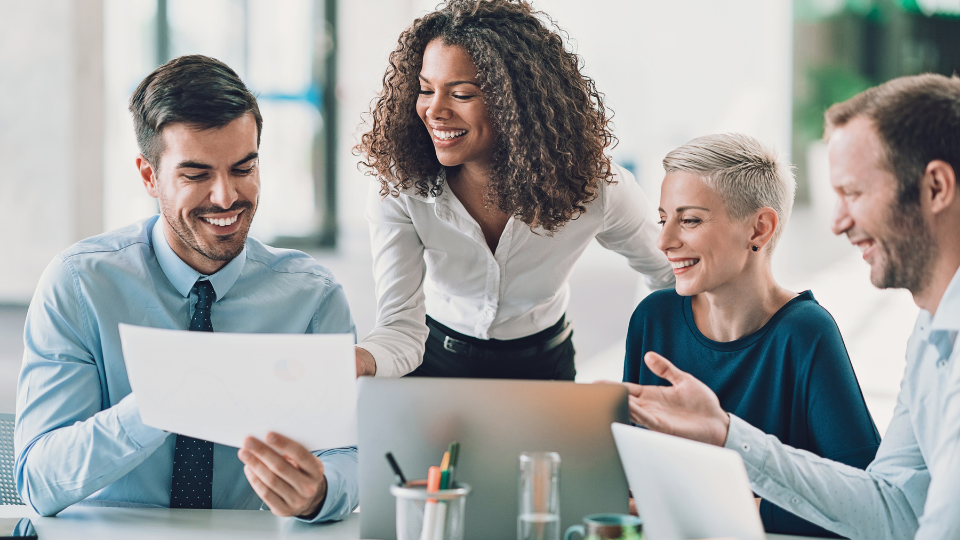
pixel 226 247
pixel 909 250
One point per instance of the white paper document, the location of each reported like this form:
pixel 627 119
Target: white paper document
pixel 223 387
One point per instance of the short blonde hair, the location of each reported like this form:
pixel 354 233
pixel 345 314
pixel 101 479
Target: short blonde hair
pixel 745 174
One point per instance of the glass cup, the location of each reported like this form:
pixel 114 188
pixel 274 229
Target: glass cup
pixel 430 516
pixel 539 486
pixel 607 527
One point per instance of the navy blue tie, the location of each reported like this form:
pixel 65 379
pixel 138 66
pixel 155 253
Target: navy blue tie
pixel 192 482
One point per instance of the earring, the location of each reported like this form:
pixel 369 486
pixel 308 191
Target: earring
pixel 756 248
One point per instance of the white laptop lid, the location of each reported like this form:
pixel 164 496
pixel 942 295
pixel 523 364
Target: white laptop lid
pixel 686 489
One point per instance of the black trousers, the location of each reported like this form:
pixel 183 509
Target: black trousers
pixel 497 359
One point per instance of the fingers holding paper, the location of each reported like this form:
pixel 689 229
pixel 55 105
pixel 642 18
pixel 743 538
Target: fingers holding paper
pixel 687 409
pixel 285 475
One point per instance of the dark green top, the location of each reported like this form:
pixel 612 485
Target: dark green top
pixel 791 379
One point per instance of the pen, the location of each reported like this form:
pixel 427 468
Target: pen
pixel 396 469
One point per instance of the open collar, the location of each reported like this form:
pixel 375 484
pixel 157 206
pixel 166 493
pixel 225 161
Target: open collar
pixel 183 277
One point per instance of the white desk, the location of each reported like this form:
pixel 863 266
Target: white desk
pixel 103 523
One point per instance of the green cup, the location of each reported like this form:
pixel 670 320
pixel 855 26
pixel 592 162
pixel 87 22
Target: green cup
pixel 607 527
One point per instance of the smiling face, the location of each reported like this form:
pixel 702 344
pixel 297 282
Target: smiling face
pixel 893 237
pixel 451 107
pixel 706 248
pixel 208 187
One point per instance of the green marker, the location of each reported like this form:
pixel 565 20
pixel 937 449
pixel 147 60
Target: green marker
pixel 452 468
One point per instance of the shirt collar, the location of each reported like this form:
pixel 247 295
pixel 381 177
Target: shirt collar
pixel 183 277
pixel 429 198
pixel 947 316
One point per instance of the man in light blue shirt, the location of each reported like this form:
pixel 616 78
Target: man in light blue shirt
pixel 894 155
pixel 79 436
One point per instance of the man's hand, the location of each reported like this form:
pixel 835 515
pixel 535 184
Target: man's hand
pixel 366 364
pixel 687 409
pixel 285 475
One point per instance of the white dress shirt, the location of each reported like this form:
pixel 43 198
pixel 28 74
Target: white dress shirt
pixel 913 485
pixel 430 256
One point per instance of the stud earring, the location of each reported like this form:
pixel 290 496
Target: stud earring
pixel 756 248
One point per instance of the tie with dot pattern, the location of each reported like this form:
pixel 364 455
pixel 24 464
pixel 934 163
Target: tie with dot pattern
pixel 192 482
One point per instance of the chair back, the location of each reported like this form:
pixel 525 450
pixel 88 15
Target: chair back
pixel 8 485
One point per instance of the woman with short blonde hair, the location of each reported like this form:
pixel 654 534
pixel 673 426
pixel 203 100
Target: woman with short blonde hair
pixel 774 357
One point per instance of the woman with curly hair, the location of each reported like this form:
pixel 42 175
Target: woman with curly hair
pixel 489 147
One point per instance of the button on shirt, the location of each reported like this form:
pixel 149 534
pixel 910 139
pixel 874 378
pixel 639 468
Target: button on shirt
pixel 430 256
pixel 78 432
pixel 911 488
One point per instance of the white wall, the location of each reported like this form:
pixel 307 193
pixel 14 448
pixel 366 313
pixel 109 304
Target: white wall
pixel 51 133
pixel 670 71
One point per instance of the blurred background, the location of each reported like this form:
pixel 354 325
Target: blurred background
pixel 670 71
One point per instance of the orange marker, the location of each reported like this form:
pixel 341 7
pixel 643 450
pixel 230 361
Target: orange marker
pixel 433 481
pixel 430 510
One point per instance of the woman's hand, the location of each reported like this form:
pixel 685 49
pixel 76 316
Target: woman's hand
pixel 688 409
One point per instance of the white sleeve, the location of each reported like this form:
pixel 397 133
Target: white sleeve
pixel 397 340
pixel 630 229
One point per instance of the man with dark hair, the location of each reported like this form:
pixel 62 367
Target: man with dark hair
pixel 79 436
pixel 894 153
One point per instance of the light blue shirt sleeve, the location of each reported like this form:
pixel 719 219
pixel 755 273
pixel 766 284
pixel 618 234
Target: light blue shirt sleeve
pixel 339 464
pixel 343 486
pixel 882 502
pixel 67 447
pixel 941 518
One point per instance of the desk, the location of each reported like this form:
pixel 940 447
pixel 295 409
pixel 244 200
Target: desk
pixel 104 523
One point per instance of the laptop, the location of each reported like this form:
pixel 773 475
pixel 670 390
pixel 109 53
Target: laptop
pixel 686 489
pixel 494 421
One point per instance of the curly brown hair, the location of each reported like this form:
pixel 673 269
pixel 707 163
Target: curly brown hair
pixel 551 124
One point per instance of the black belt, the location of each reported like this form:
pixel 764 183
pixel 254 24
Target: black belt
pixel 477 352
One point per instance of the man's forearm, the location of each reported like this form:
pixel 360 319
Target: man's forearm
pixel 68 464
pixel 843 499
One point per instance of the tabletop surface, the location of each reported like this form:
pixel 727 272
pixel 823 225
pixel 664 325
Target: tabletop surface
pixel 107 523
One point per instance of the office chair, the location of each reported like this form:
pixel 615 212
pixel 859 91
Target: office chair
pixel 8 486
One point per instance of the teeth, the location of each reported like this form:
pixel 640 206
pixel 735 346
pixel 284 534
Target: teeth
pixel 447 135
pixel 222 222
pixel 684 264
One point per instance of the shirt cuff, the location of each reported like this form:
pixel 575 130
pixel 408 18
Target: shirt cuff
pixel 128 415
pixel 337 503
pixel 386 367
pixel 749 442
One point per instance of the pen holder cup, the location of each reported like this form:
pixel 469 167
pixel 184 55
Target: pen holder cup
pixel 429 516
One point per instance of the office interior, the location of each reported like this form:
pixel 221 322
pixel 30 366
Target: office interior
pixel 671 71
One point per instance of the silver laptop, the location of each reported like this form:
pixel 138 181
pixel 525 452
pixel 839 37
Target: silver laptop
pixel 686 489
pixel 494 421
